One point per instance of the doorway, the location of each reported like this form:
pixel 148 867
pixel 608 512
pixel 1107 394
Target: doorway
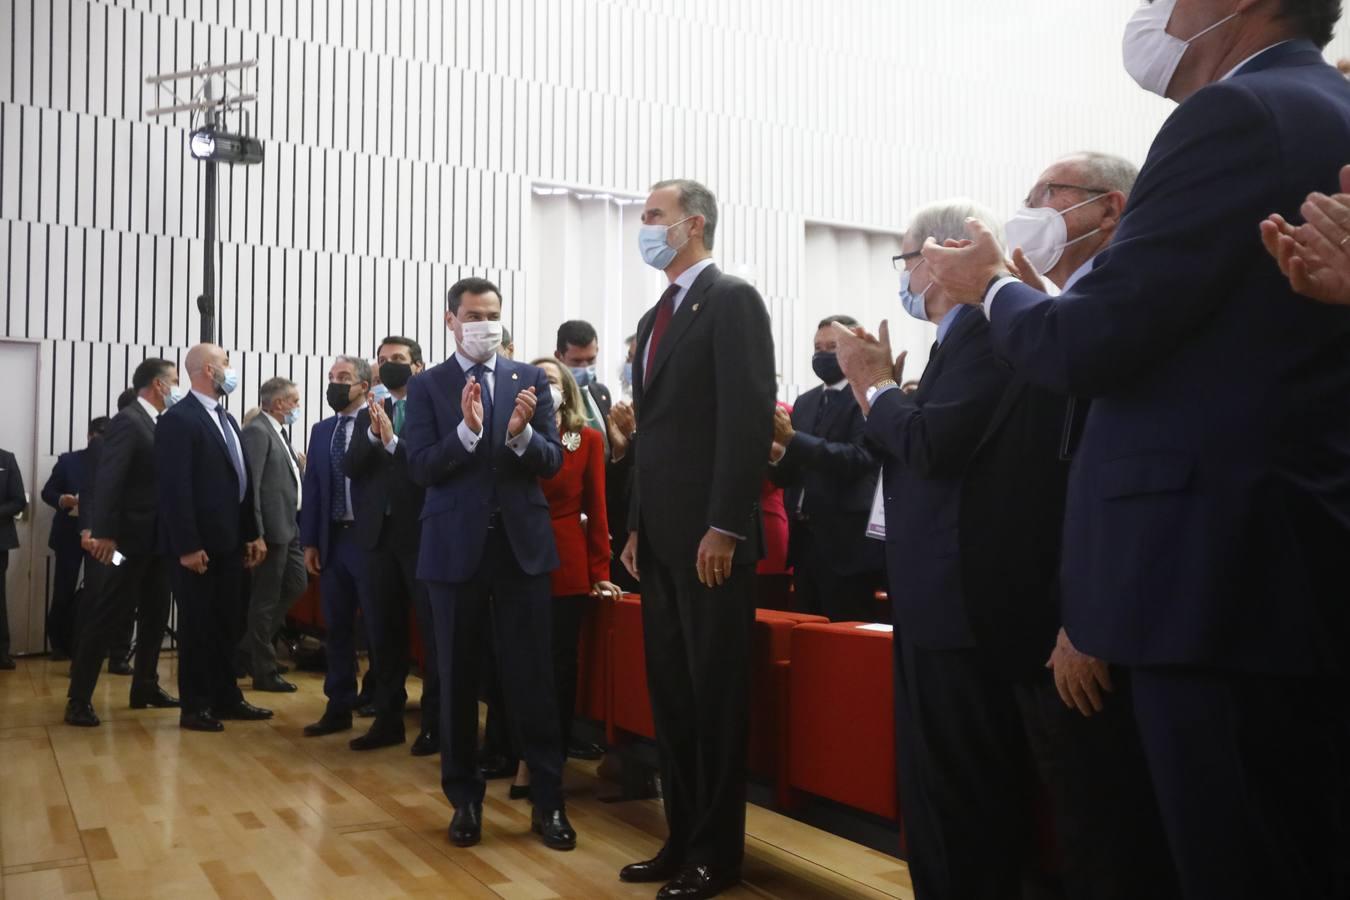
pixel 25 583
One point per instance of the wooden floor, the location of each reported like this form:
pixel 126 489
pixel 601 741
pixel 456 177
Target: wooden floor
pixel 139 808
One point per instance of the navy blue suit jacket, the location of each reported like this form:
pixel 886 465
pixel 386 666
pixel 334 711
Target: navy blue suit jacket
pixel 199 505
pixel 1209 502
pixel 926 441
pixel 318 484
pixel 462 487
pixel 67 478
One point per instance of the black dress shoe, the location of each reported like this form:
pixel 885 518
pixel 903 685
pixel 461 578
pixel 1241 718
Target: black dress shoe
pixel 379 735
pixel 426 744
pixel 583 750
pixel 554 828
pixel 519 791
pixel 498 767
pixel 119 667
pixel 365 710
pixel 331 723
pixel 466 828
pixel 200 721
pixel 153 696
pixel 662 867
pixel 81 714
pixel 274 684
pixel 698 882
pixel 7 662
pixel 244 711
pixel 282 668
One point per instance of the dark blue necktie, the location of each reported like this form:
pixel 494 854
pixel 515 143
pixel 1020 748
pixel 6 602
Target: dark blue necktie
pixel 338 450
pixel 227 432
pixel 479 372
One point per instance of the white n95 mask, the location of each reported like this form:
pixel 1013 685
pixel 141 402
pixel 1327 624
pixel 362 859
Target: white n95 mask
pixel 1151 54
pixel 1042 234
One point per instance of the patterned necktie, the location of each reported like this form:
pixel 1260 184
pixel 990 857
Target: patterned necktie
pixel 233 449
pixel 665 311
pixel 337 450
pixel 398 416
pixel 479 372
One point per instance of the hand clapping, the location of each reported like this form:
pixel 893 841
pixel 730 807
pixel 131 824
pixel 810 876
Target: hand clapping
pixel 526 401
pixel 379 420
pixel 471 404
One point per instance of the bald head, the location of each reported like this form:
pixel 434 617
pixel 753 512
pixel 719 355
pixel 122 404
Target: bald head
pixel 205 365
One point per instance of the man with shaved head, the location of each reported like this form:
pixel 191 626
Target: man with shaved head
pixel 210 534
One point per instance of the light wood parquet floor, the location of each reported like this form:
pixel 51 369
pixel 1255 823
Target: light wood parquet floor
pixel 138 808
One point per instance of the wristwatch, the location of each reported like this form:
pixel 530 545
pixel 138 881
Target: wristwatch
pixel 876 389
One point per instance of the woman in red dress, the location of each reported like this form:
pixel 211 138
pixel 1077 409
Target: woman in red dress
pixel 576 499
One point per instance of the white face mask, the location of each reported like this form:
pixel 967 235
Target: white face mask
pixel 1042 234
pixel 556 393
pixel 1151 54
pixel 479 340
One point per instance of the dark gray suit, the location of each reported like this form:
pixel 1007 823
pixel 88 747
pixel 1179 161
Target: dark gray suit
pixel 281 577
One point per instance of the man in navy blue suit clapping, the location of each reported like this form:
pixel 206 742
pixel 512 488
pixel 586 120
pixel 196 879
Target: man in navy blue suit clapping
pixel 479 434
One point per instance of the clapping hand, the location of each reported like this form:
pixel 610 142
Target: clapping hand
pixel 1315 256
pixel 1026 272
pixel 622 424
pixel 964 270
pixel 526 401
pixel 782 426
pixel 379 421
pixel 866 360
pixel 471 404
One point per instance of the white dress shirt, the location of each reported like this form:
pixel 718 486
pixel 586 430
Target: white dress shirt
pixel 468 438
pixel 211 404
pixel 290 457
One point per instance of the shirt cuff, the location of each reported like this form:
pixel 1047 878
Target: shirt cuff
pixel 520 442
pixel 467 437
pixel 392 445
pixel 739 537
pixel 993 291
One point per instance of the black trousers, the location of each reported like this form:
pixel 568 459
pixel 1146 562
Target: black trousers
pixel 1107 826
pixel 395 591
pixel 568 615
pixel 61 616
pixel 966 779
pixel 839 598
pixel 1252 774
pixel 140 585
pixel 519 607
pixel 212 611
pixel 4 604
pixel 697 641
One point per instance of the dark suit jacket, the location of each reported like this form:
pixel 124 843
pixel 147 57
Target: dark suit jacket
pixel 705 420
pixel 463 488
pixel 383 492
pixel 1208 513
pixel 618 474
pixel 830 473
pixel 126 497
pixel 927 441
pixel 67 478
pixel 1012 515
pixel 12 501
pixel 320 481
pixel 274 489
pixel 199 505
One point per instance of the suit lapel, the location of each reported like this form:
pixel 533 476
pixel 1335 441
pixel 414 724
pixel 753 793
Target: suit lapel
pixel 683 318
pixel 214 428
pixel 838 406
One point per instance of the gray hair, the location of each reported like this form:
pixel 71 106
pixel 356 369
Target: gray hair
pixel 946 221
pixel 1104 170
pixel 362 367
pixel 695 200
pixel 273 389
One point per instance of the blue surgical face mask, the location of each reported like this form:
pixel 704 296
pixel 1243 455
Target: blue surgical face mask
pixel 583 374
pixel 226 381
pixel 293 416
pixel 381 392
pixel 175 394
pixel 627 374
pixel 654 244
pixel 912 302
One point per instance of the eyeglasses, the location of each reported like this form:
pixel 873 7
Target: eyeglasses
pixel 1040 194
pixel 898 262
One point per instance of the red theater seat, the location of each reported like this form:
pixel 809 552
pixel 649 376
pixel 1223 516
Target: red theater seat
pixel 841 719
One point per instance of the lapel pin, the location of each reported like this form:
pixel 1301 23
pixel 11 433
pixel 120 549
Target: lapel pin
pixel 695 307
pixel 515 377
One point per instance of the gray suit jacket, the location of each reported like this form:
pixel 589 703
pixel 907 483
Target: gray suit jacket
pixel 275 491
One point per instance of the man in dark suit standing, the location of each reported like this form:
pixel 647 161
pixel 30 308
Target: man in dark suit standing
pixel 332 551
pixel 62 494
pixel 210 533
pixel 829 476
pixel 1207 520
pixel 704 390
pixel 389 529
pixel 480 433
pixel 12 502
pixel 133 576
pixel 280 578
